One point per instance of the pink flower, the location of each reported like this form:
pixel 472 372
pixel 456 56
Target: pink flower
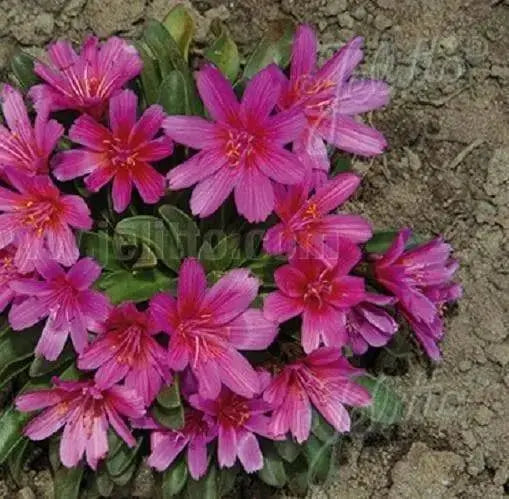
pixel 321 295
pixel 123 153
pixel 85 82
pixel 208 326
pixel 368 324
pixel 241 150
pixel 126 349
pixel 166 444
pixel 307 222
pixel 38 219
pixel 421 280
pixel 86 411
pixel 324 379
pixel 238 420
pixel 22 147
pixel 331 99
pixel 8 275
pixel 65 299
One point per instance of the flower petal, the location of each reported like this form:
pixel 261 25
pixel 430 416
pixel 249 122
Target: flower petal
pixel 252 331
pixel 254 196
pixel 217 94
pixel 191 131
pixel 280 307
pixel 304 50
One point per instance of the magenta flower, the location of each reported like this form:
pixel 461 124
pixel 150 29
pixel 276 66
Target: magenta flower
pixel 238 420
pixel 86 411
pixel 208 326
pixel 331 99
pixel 22 147
pixel 241 150
pixel 166 444
pixel 308 224
pixel 321 295
pixel 8 275
pixel 323 379
pixel 85 82
pixel 123 153
pixel 38 220
pixel 421 280
pixel 65 299
pixel 126 349
pixel 368 324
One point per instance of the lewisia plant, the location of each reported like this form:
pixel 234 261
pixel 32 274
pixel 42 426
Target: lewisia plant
pixel 183 283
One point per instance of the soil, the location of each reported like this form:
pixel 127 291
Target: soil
pixel 447 171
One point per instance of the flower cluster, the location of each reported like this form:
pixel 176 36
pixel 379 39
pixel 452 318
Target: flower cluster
pixel 268 148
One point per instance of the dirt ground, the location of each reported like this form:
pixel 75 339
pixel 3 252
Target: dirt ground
pixel 447 171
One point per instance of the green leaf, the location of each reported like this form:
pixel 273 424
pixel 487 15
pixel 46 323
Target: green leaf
pixel 104 483
pixel 126 476
pixel 169 396
pixel 386 407
pixel 100 247
pixel 135 286
pixel 16 347
pixel 153 232
pixel 173 94
pixel 382 240
pixel 11 430
pixel 297 472
pixel 22 65
pixel 221 256
pixel 273 472
pixel 169 418
pixel 227 478
pixel 180 25
pixel 13 370
pixel 183 228
pixel 146 260
pixel 40 366
pixel 224 52
pixel 118 463
pixel 149 77
pixel 319 457
pixel 205 488
pixel 275 47
pixel 17 459
pixel 54 452
pixel 174 479
pixel 168 56
pixel 288 449
pixel 321 428
pixel 67 482
pixel 340 164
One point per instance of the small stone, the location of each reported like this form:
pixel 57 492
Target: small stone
pixel 475 58
pixel 45 23
pixel 506 380
pixel 359 13
pixel 499 353
pixel 483 416
pixel 464 366
pixel 476 462
pixel 345 21
pixel 387 4
pixel 382 22
pixel 106 18
pixel 500 72
pixel 450 44
pixel 25 493
pixel 335 7
pixel 469 438
pixel 498 173
pixel 502 475
pixel 413 159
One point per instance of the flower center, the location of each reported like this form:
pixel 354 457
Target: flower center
pixel 203 341
pixel 316 94
pixel 119 154
pixel 311 211
pixel 40 214
pixel 239 146
pixel 234 411
pixel 316 291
